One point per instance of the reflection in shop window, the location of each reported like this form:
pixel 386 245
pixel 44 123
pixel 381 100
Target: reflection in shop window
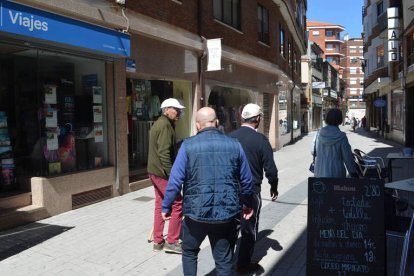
pixel 228 104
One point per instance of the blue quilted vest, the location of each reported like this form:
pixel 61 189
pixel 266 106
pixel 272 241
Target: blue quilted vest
pixel 211 190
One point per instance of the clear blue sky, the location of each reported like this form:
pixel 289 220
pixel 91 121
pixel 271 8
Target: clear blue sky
pixel 346 13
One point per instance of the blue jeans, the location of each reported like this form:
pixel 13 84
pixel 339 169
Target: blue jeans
pixel 249 230
pixel 221 237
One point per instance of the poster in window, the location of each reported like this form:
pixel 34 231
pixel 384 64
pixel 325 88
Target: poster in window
pixel 97 114
pixel 67 111
pixel 98 133
pixel 51 117
pixel 88 82
pixel 52 142
pixel 50 94
pixel 97 94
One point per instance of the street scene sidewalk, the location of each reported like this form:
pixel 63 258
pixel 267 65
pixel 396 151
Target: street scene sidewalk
pixel 111 237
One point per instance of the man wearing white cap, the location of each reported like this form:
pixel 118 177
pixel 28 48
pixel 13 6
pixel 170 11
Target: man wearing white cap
pixel 161 155
pixel 259 153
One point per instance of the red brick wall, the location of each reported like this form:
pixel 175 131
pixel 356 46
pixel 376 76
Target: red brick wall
pixel 181 15
pixel 186 16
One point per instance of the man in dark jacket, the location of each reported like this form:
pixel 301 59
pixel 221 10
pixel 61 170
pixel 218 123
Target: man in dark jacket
pixel 217 184
pixel 260 156
pixel 161 155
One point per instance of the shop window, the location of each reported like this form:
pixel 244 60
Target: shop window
pixel 228 104
pixel 283 113
pixel 263 24
pixel 144 98
pixel 55 105
pixel 397 116
pixel 228 12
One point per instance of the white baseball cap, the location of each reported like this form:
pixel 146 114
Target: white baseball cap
pixel 171 102
pixel 251 110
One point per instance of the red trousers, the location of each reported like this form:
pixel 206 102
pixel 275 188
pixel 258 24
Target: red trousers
pixel 174 227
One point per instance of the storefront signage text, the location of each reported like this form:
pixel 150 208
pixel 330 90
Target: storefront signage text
pixel 393 34
pixel 37 24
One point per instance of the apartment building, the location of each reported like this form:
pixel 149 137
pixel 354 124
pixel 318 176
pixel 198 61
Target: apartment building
pixel 386 68
pixel 78 112
pixel 328 37
pixel 353 76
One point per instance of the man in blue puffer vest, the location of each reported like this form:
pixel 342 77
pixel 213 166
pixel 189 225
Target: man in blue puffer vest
pixel 217 188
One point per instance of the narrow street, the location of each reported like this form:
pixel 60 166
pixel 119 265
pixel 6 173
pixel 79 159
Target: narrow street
pixel 110 237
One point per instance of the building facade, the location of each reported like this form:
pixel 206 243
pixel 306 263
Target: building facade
pixel 353 76
pixel 78 118
pixel 385 69
pixel 328 37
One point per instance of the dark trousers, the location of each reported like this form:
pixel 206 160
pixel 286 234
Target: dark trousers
pixel 249 230
pixel 221 237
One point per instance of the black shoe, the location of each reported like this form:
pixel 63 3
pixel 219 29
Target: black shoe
pixel 252 267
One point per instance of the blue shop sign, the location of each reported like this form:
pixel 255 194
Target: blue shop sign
pixel 26 21
pixel 380 103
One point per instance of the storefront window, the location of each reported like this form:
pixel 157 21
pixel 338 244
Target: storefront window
pixel 287 109
pixel 144 98
pixel 228 104
pixel 52 112
pixel 283 113
pixel 397 111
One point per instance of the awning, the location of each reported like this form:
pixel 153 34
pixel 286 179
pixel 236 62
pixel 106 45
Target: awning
pixel 376 85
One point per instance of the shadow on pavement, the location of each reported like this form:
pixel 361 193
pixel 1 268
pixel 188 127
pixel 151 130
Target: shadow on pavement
pixel 293 262
pixel 20 239
pixel 263 239
pixel 388 146
pixel 262 246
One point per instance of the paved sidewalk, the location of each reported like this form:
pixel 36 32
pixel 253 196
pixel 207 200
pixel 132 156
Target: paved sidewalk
pixel 110 237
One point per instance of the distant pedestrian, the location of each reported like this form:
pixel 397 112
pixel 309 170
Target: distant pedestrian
pixel 259 153
pixel 161 155
pixel 364 122
pixel 333 152
pixel 354 124
pixel 214 174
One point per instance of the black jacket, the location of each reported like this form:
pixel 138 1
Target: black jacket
pixel 259 153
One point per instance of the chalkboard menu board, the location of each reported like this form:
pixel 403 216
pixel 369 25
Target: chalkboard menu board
pixel 346 232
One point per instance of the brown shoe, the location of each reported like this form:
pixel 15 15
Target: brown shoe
pixel 158 246
pixel 173 248
pixel 252 267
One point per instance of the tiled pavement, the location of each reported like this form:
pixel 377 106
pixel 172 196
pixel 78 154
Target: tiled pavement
pixel 110 237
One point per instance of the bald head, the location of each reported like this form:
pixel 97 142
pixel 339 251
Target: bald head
pixel 206 117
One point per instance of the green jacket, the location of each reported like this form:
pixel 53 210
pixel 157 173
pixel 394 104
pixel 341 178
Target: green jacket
pixel 162 148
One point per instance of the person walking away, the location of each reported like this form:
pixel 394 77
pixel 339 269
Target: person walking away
pixel 354 124
pixel 259 153
pixel 161 155
pixel 213 171
pixel 333 152
pixel 363 122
